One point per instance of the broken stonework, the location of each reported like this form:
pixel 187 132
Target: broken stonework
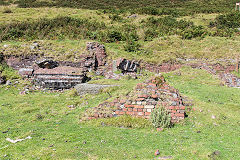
pixel 99 51
pixel 49 64
pixel 143 100
pixel 127 65
pixel 59 78
pixel 90 88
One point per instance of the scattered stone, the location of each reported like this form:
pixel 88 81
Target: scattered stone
pixel 157 152
pixel 43 139
pixel 132 16
pixel 84 142
pixel 51 145
pixel 213 117
pixel 90 88
pixel 198 131
pixel 5 45
pixel 54 149
pixel 35 45
pixel 8 83
pixel 71 107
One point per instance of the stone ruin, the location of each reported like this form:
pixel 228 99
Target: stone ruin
pixel 141 102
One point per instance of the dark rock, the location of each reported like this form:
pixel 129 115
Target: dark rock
pixel 1 57
pixel 49 64
pixel 128 66
pixel 51 145
pixel 2 79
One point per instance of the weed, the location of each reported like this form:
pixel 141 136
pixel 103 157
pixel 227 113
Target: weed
pixel 160 117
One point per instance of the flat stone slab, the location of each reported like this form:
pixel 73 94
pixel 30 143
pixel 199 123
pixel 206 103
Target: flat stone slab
pixel 86 88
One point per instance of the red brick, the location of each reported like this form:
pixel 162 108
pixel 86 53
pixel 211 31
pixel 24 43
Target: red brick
pixel 130 109
pixel 142 96
pixel 135 109
pixel 124 109
pixel 173 111
pixel 140 99
pixel 139 110
pixel 122 101
pixel 172 114
pixel 171 107
pixel 129 106
pixel 138 106
pixel 147 113
pixel 117 112
pixel 135 113
pixel 182 107
pixel 180 115
pixel 140 113
pixel 154 96
pixel 121 113
pixel 130 113
pixel 91 118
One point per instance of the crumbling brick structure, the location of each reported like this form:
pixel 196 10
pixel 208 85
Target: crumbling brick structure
pixel 146 97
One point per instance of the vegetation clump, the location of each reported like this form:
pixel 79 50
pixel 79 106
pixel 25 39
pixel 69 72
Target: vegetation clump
pixel 160 117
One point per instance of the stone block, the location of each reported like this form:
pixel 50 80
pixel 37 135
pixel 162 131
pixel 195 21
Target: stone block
pixel 149 106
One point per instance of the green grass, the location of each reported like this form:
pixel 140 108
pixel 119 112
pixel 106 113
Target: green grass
pixel 73 139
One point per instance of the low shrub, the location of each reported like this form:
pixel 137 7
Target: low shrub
pixel 229 20
pixel 8 72
pixel 196 31
pixel 160 117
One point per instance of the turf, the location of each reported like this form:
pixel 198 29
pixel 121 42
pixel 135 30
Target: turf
pixel 59 134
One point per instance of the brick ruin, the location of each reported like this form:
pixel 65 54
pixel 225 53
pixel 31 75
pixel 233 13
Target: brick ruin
pixel 140 102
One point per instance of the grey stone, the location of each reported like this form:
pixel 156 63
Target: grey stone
pixel 8 82
pixel 86 88
pixel 5 45
pixel 132 16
